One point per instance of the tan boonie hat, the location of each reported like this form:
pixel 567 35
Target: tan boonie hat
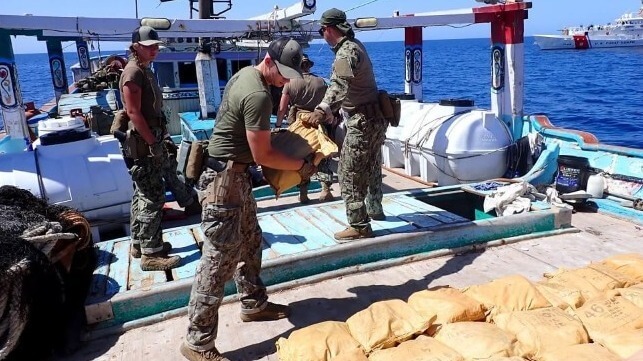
pixel 287 55
pixel 145 35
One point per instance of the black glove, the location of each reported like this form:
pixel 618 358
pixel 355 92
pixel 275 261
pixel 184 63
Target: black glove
pixel 307 169
pixel 315 118
pixel 156 149
pixel 170 146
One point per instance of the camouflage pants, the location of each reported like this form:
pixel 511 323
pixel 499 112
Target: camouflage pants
pixel 360 168
pixel 146 209
pixel 232 249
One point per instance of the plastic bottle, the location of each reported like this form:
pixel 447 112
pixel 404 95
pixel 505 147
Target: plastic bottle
pixel 596 185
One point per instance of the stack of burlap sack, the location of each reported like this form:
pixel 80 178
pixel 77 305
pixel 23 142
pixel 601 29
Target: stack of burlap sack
pixel 590 313
pixel 298 142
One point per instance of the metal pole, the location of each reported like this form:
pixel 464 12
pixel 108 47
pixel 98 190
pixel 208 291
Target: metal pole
pixel 136 7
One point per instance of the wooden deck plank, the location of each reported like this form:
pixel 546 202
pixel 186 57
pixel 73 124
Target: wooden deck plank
pixel 183 245
pixel 322 221
pixel 409 215
pixel 100 276
pixel 119 270
pixel 338 211
pixel 279 238
pixel 139 279
pixel 433 211
pixel 298 225
pixel 198 235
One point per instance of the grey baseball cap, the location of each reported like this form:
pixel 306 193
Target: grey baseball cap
pixel 145 35
pixel 287 55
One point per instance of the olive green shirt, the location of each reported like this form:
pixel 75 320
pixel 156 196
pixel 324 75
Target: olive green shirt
pixel 246 105
pixel 151 96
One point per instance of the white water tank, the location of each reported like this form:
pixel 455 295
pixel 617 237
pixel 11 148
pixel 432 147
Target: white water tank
pixel 470 146
pixel 88 174
pixel 51 125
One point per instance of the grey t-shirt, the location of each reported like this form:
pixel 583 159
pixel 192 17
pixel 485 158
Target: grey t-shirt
pixel 246 105
pixel 306 93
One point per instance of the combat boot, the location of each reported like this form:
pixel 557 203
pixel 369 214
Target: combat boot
pixel 159 261
pixel 272 312
pixel 351 233
pixel 192 355
pixel 303 194
pixel 377 216
pixel 326 195
pixel 135 251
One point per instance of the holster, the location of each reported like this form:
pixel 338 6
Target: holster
pixel 134 146
pixel 391 108
pixel 221 191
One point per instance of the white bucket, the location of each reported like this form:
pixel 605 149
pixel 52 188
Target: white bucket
pixel 596 185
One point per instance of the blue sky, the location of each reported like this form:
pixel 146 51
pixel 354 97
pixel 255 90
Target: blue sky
pixel 546 16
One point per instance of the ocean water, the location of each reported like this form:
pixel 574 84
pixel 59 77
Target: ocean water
pixel 597 90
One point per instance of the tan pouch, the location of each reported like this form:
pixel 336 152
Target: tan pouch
pixel 391 108
pixel 120 121
pixel 196 154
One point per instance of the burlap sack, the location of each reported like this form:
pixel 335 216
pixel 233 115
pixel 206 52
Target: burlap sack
pixel 386 323
pixel 323 341
pixel 581 352
pixel 423 348
pixel 606 315
pixel 512 358
pixel 297 142
pixel 560 296
pixel 630 264
pixel 446 305
pixel 477 340
pixel 590 282
pixel 542 330
pixel 507 294
pixel 633 294
pixel 625 343
pixel 354 355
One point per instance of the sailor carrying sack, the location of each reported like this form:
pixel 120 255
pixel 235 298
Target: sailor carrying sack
pixel 391 108
pixel 298 142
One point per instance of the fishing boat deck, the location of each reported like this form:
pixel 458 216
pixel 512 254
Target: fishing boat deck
pixel 598 236
pixel 298 243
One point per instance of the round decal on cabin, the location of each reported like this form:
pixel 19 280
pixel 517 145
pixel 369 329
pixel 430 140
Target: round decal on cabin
pixel 407 63
pixel 417 66
pixel 57 73
pixel 309 4
pixel 497 68
pixel 8 97
pixel 83 57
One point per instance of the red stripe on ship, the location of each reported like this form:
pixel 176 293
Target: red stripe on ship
pixel 581 42
pixel 507 21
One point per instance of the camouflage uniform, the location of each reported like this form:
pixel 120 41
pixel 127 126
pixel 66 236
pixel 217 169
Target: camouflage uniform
pixel 354 90
pixel 233 237
pixel 147 172
pixel 232 248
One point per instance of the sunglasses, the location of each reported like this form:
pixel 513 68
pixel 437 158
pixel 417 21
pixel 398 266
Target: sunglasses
pixel 321 31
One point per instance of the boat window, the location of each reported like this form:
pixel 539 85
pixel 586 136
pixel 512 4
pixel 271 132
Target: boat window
pixel 164 72
pixel 238 64
pixel 187 74
pixel 222 69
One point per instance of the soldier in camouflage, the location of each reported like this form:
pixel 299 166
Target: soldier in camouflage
pixel 232 248
pixel 142 101
pixel 353 92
